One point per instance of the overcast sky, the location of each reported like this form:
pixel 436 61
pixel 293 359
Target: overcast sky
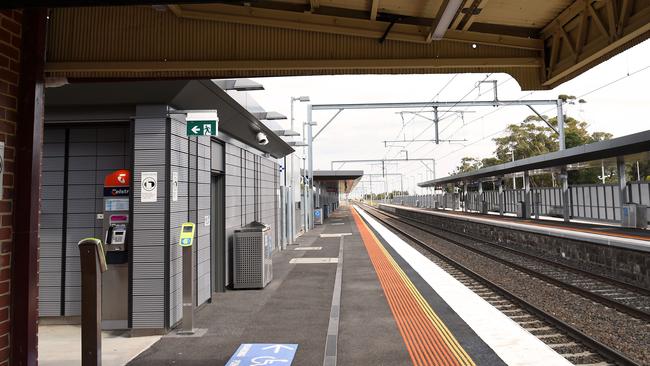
pixel 621 108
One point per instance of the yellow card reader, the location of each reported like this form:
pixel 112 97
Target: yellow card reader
pixel 187 234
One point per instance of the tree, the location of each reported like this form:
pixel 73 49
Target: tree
pixel 531 138
pixel 468 164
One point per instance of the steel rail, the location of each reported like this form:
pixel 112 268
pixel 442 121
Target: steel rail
pixel 637 313
pixel 603 278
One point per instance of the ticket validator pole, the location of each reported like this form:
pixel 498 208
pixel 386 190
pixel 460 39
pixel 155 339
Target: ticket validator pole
pixel 93 264
pixel 185 241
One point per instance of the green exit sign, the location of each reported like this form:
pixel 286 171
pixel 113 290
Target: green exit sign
pixel 202 128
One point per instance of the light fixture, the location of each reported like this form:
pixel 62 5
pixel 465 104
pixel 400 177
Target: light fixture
pixel 239 84
pixel 269 116
pixel 286 133
pixel 446 18
pixel 296 143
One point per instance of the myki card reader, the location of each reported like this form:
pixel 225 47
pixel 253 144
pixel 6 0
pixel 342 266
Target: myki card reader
pixel 187 234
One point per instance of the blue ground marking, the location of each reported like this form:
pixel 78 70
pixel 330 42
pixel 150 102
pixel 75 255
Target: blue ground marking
pixel 259 354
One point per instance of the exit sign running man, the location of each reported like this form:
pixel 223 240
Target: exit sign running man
pixel 201 128
pixel 202 123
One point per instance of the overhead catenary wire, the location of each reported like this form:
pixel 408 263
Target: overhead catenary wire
pixel 491 135
pixel 596 89
pixel 453 106
pixel 404 124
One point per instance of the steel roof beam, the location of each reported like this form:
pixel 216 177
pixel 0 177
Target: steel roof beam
pixel 450 104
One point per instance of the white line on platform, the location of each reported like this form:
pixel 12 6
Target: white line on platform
pixel 308 248
pixel 337 223
pixel 313 260
pixel 513 344
pixel 337 235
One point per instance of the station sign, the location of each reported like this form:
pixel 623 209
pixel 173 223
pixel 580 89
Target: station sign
pixel 149 187
pixel 202 128
pixel 202 124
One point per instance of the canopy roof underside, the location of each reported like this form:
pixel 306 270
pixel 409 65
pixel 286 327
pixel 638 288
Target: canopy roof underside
pixel 539 43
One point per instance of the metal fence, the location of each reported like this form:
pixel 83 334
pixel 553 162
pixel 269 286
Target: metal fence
pixel 596 202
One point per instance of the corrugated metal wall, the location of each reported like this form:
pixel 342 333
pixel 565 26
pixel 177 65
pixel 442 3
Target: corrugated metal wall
pixel 149 219
pixel 160 145
pixel 179 213
pixel 200 204
pixel 81 157
pixel 51 229
pixel 251 192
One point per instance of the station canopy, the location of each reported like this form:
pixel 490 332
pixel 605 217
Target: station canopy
pixel 87 99
pixel 341 181
pixel 540 43
pixel 632 148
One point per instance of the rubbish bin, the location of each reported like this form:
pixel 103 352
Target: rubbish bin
pixel 252 251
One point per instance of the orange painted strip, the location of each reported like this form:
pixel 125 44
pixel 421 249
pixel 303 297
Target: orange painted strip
pixel 424 344
pixel 427 339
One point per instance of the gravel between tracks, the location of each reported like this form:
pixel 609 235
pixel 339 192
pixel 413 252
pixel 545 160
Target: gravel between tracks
pixel 622 332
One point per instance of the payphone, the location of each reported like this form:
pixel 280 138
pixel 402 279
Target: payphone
pixel 116 246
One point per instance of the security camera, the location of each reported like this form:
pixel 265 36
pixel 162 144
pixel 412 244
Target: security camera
pixel 262 139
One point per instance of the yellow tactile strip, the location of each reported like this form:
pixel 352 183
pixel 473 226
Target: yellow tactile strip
pixel 427 339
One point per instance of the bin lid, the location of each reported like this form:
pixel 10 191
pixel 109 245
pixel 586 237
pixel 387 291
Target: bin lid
pixel 254 226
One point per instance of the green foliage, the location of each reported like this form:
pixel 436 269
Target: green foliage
pixel 468 164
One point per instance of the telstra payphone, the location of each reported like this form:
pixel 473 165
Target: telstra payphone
pixel 116 245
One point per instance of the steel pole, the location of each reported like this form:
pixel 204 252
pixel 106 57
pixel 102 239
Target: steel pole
pixel 310 162
pixel 560 123
pixel 291 115
pixel 435 121
pixel 514 177
pixel 622 183
pixel 187 326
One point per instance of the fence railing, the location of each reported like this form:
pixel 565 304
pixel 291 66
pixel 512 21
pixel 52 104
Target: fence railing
pixel 599 202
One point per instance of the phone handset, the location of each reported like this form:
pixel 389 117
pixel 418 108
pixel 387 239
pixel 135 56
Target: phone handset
pixel 109 235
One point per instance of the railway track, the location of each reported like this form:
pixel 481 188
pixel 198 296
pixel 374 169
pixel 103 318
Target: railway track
pixel 573 344
pixel 624 297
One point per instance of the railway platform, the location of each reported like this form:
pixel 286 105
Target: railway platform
pixel 599 233
pixel 353 293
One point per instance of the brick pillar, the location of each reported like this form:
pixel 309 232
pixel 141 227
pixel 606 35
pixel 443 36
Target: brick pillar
pixel 10 42
pixel 27 177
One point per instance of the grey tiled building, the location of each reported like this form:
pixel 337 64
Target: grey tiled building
pixel 219 183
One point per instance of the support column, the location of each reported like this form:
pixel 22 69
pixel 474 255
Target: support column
pixel 465 196
pixel 502 200
pixel 29 143
pixel 622 183
pixel 560 123
pixel 480 196
pixel 527 198
pixel 310 165
pixel 566 205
